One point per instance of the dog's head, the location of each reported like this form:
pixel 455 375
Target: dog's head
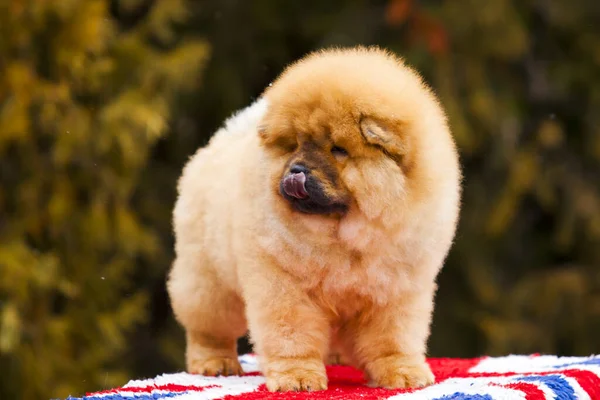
pixel 347 127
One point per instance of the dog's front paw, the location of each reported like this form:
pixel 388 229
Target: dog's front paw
pixel 217 366
pixel 296 380
pixel 398 372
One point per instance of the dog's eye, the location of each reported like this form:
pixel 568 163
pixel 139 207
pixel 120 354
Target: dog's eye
pixel 285 144
pixel 338 151
pixel 290 147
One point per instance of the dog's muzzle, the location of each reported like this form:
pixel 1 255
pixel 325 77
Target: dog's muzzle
pixel 305 193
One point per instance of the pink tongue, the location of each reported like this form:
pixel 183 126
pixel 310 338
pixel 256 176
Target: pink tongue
pixel 293 185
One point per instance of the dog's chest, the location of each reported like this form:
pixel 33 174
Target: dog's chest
pixel 359 264
pixel 362 278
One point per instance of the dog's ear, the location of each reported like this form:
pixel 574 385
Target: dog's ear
pixel 273 139
pixel 266 134
pixel 385 135
pixel 262 131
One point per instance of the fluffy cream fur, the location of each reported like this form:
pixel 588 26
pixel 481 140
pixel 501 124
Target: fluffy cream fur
pixel 358 284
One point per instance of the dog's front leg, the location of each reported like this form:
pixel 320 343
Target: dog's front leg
pixel 390 341
pixel 289 331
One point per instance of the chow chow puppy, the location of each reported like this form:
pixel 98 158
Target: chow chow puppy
pixel 318 218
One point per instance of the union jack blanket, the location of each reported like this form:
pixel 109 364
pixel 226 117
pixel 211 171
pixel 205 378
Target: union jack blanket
pixel 532 377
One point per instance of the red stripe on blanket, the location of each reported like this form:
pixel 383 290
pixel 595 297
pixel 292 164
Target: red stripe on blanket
pixel 170 387
pixel 531 391
pixel 444 368
pixel 588 381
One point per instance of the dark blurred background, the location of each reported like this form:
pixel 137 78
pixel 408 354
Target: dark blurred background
pixel 102 102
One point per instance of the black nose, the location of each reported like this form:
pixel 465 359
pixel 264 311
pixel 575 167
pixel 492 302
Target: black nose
pixel 298 168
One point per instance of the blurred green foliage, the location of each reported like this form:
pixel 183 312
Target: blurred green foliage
pixel 83 99
pixel 97 118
